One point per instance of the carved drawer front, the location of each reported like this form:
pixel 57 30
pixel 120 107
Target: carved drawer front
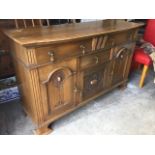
pixel 62 51
pixel 58 91
pixel 94 59
pixel 102 42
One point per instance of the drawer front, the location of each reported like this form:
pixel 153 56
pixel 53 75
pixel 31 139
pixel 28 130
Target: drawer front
pixel 62 51
pixel 122 37
pixel 108 40
pixel 94 59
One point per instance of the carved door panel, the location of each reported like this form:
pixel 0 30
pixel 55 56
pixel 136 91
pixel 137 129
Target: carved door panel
pixel 121 63
pixel 94 80
pixel 59 90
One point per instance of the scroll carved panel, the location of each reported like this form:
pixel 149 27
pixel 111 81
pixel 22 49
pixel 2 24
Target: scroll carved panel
pixel 94 81
pixel 58 97
pixel 120 64
pixel 99 42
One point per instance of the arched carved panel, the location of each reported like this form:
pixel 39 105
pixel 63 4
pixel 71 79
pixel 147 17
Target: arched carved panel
pixel 60 89
pixel 93 81
pixel 120 63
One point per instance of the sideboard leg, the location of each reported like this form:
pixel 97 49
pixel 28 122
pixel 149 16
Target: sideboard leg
pixel 45 130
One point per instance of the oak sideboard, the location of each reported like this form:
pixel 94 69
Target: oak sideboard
pixel 61 68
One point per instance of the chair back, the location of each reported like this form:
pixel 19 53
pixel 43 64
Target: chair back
pixel 25 23
pixel 149 34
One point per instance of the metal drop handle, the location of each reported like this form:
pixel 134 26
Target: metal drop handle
pixel 96 59
pixel 59 78
pixel 121 56
pixel 83 49
pixel 51 54
pixel 93 82
pixel 120 52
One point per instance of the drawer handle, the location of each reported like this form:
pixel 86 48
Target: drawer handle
pixel 76 90
pixel 93 82
pixel 96 59
pixel 51 54
pixel 120 52
pixel 83 49
pixel 59 79
pixel 121 56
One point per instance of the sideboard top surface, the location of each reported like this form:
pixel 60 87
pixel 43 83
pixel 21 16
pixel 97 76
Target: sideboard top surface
pixel 66 32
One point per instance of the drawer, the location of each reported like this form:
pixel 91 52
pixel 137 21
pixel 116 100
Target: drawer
pixel 122 37
pixel 94 59
pixel 108 40
pixel 62 51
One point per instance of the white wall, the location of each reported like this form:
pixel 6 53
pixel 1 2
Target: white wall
pixel 89 20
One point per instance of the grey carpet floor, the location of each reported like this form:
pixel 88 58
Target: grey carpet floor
pixel 129 111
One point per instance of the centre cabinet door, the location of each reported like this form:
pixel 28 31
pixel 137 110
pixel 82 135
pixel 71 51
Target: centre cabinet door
pixel 94 80
pixel 121 63
pixel 58 87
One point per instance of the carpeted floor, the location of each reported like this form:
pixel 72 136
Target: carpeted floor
pixel 131 111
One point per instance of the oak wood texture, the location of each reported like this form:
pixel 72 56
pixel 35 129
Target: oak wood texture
pixel 68 32
pixel 43 131
pixel 63 67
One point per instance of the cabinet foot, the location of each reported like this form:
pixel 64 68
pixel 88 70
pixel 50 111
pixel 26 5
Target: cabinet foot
pixel 123 86
pixel 45 130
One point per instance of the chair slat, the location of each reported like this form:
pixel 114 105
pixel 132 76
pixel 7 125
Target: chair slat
pixel 25 25
pixel 33 24
pixel 48 22
pixel 40 22
pixel 16 24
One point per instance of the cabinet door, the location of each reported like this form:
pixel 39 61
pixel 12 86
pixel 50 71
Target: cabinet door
pixel 121 63
pixel 94 80
pixel 58 90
